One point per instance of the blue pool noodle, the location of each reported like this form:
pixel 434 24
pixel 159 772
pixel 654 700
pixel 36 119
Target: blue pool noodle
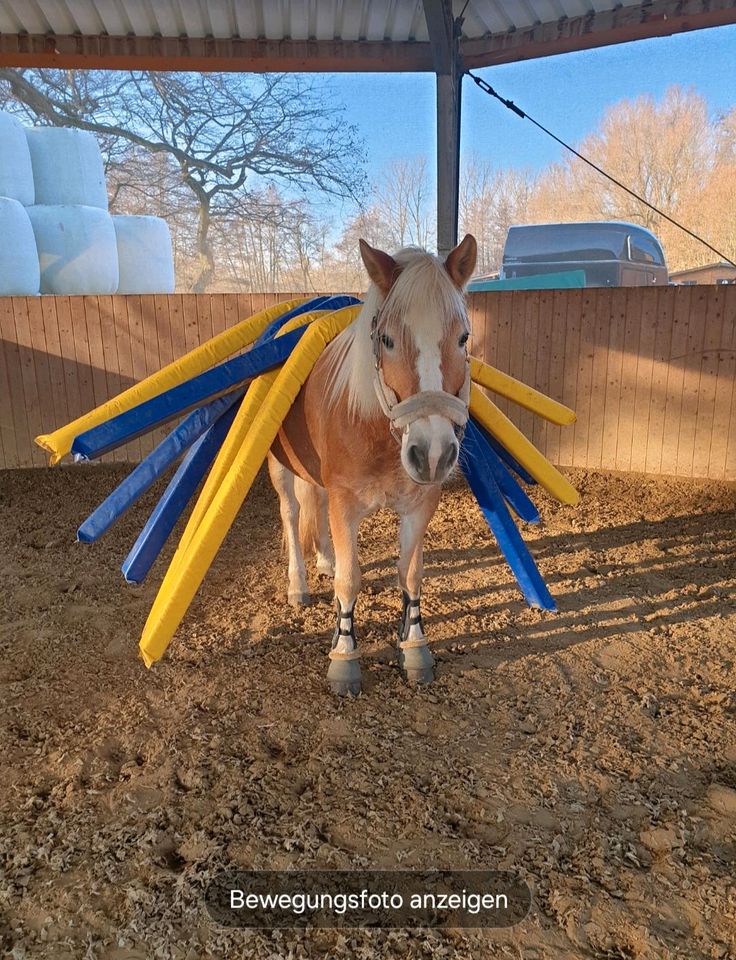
pixel 494 509
pixel 507 458
pixel 275 325
pixel 155 464
pixel 514 495
pixel 328 302
pixel 175 498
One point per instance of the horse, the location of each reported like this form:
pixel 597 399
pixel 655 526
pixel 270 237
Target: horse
pixel 378 423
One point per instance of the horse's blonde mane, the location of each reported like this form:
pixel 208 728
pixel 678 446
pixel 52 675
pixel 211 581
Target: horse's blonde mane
pixel 422 298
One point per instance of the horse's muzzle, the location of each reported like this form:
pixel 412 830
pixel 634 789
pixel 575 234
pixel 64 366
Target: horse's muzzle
pixel 424 466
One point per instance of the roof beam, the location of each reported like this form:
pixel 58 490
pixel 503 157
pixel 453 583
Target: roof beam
pixel 188 53
pixel 660 18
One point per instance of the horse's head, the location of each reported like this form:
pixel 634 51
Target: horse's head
pixel 419 335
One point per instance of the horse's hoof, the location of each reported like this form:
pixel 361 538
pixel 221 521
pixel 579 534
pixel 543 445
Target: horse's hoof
pixel 344 677
pixel 417 664
pixel 298 599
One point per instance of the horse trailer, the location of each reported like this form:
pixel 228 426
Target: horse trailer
pixel 612 254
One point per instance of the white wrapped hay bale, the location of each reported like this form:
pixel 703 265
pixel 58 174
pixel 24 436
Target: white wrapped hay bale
pixel 16 172
pixel 67 167
pixel 76 249
pixel 144 255
pixel 19 273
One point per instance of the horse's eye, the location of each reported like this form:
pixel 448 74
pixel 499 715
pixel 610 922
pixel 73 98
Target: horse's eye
pixel 464 339
pixel 387 341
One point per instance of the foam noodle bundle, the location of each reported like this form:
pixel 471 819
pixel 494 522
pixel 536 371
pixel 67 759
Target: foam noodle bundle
pixel 16 172
pixel 229 438
pixel 19 274
pixel 67 167
pixel 145 258
pixel 76 249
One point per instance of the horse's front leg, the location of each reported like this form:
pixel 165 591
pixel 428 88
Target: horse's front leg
pixel 344 515
pixel 415 657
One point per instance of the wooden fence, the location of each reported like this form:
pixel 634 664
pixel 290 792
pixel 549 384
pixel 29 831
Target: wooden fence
pixel 650 372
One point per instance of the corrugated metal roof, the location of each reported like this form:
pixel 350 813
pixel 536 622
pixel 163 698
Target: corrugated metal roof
pixel 348 20
pixel 328 35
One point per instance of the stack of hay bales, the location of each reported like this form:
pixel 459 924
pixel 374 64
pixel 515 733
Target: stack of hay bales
pixel 19 273
pixel 54 182
pixel 74 232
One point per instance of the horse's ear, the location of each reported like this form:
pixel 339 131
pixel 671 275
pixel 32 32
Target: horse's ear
pixel 382 268
pixel 460 262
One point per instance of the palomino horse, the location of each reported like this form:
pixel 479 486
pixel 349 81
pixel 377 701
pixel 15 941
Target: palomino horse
pixel 377 424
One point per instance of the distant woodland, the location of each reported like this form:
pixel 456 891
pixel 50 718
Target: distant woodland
pixel 247 169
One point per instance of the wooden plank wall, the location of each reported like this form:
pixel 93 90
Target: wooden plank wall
pixel 650 372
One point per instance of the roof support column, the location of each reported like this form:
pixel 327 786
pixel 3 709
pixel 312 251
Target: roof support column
pixel 448 160
pixel 448 70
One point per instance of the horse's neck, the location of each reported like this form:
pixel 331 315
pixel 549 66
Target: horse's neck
pixel 352 370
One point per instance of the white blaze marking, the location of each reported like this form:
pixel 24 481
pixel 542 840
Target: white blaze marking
pixel 434 431
pixel 429 354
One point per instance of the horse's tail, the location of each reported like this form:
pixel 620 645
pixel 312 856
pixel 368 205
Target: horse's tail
pixel 310 507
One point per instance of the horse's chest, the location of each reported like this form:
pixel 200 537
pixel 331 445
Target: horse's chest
pixel 389 489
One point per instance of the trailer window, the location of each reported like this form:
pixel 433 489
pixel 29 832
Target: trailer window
pixel 644 250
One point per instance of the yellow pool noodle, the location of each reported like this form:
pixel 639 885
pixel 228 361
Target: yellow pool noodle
pixel 487 376
pixel 59 443
pixel 488 414
pixel 254 397
pixel 166 616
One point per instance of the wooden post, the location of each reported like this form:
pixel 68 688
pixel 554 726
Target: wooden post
pixel 446 56
pixel 448 160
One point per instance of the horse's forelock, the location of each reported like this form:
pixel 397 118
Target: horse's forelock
pixel 422 295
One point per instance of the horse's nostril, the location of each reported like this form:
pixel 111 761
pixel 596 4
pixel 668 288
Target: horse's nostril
pixel 447 460
pixel 418 460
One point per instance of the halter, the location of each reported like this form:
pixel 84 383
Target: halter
pixel 425 403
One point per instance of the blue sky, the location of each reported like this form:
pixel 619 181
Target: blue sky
pixel 567 93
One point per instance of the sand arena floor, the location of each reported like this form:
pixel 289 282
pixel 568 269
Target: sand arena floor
pixel 593 751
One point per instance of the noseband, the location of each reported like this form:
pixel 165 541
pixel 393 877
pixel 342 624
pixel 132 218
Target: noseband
pixel 425 403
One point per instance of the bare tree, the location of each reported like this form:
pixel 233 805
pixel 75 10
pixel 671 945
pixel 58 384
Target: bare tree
pixel 671 153
pixel 402 198
pixel 663 151
pixel 491 201
pixel 725 133
pixel 221 131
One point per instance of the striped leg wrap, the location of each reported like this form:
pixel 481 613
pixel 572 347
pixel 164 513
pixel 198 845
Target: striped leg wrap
pixel 410 617
pixel 344 630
